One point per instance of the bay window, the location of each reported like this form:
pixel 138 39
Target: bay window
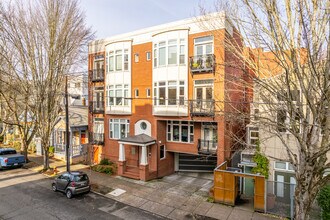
pixel 169 93
pixel 118 128
pixel 171 52
pixel 117 60
pixel 117 95
pixel 180 131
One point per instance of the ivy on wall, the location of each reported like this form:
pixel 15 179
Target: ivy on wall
pixel 262 162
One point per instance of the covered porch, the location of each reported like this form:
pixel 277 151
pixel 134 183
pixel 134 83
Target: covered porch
pixel 137 157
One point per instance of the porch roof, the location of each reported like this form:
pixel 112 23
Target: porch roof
pixel 140 139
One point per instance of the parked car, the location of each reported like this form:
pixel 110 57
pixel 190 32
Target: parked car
pixel 72 183
pixel 10 158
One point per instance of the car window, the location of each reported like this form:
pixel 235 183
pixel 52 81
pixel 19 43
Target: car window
pixel 66 176
pixel 79 178
pixel 6 152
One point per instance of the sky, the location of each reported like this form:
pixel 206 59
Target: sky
pixel 112 17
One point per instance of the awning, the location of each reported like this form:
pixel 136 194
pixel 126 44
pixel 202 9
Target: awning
pixel 140 140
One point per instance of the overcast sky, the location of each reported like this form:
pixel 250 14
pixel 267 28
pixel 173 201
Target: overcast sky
pixel 111 17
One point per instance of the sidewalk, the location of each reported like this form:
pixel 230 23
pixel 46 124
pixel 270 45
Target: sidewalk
pixel 178 196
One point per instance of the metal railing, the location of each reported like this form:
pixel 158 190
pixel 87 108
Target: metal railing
pixel 207 146
pixel 97 75
pixel 202 63
pixel 202 107
pixel 98 138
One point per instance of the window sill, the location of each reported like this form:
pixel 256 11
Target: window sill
pixel 180 142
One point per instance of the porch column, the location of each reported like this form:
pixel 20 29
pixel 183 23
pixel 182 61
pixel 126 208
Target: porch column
pixel 144 156
pixel 121 160
pixel 121 152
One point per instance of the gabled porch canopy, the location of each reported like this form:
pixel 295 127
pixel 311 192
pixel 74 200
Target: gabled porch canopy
pixel 138 140
pixel 141 140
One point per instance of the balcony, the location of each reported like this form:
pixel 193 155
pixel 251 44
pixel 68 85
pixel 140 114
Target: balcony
pixel 202 107
pixel 98 138
pixel 97 75
pixel 207 146
pixel 96 107
pixel 202 64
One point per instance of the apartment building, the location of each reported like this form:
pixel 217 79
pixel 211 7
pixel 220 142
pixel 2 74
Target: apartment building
pixel 158 97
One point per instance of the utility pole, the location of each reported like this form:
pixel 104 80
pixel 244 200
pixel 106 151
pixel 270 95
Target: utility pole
pixel 67 146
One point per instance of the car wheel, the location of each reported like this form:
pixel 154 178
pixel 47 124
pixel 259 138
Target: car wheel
pixel 54 188
pixel 68 194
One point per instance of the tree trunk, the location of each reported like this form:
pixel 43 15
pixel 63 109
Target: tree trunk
pixel 46 158
pixel 25 150
pixel 303 199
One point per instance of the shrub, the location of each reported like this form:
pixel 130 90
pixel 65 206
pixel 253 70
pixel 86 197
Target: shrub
pixel 105 161
pixel 324 201
pixel 108 169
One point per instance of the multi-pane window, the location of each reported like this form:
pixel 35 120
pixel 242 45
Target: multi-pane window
pixel 288 119
pixel 118 128
pixel 117 95
pixel 283 165
pixel 117 60
pixel 169 93
pixel 180 131
pixel 171 52
pixel 253 136
pixel 203 45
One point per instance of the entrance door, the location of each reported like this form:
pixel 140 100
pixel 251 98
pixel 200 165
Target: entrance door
pixel 248 183
pixel 133 156
pixel 204 97
pixel 209 137
pixel 283 185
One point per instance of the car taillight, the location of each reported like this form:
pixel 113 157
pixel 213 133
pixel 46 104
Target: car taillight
pixel 5 160
pixel 73 184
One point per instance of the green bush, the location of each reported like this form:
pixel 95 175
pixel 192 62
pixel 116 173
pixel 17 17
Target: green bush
pixel 51 149
pixel 105 161
pixel 324 201
pixel 108 169
pixel 262 162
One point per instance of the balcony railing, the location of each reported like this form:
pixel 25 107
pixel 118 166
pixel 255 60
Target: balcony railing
pixel 97 75
pixel 202 63
pixel 98 138
pixel 207 146
pixel 96 107
pixel 202 107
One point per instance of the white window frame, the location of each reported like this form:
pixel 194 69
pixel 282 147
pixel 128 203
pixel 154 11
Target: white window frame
pixel 148 92
pixel 203 43
pixel 178 43
pixel 148 55
pixel 113 89
pixel 112 55
pixel 253 138
pixel 190 134
pixel 287 121
pixel 119 122
pixel 180 98
pixel 287 166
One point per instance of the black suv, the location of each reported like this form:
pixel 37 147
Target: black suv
pixel 72 183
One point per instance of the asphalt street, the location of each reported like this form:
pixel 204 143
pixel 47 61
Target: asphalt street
pixel 28 196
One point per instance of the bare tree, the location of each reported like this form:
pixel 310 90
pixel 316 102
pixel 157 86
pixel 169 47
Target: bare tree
pixel 286 54
pixel 49 39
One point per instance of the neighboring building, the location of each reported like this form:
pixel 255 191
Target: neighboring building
pixel 78 89
pixel 78 129
pixel 158 95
